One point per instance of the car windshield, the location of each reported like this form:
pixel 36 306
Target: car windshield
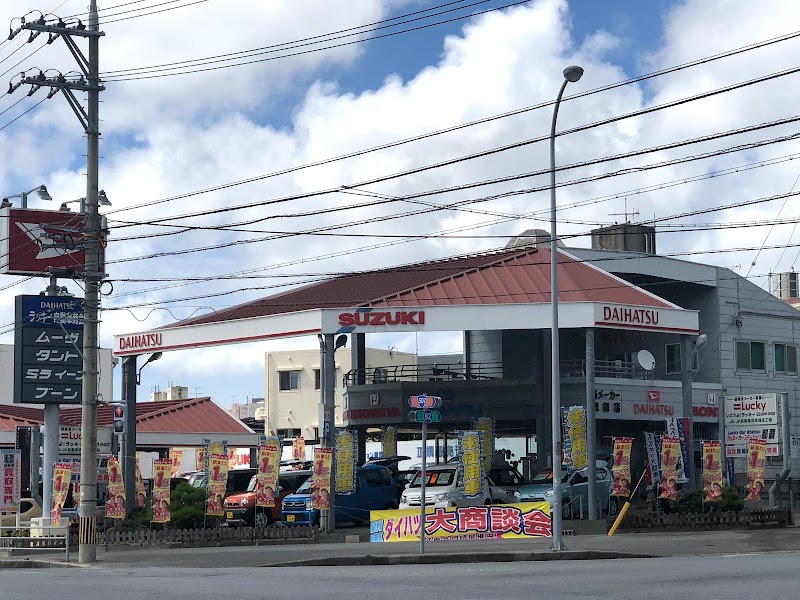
pixel 305 488
pixel 433 478
pixel 252 485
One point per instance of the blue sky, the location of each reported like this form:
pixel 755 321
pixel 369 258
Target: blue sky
pixel 166 139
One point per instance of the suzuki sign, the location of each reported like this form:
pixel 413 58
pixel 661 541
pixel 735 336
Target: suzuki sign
pixel 31 241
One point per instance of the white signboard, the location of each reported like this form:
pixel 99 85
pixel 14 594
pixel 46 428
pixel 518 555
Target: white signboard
pixel 69 440
pixel 736 439
pixel 751 411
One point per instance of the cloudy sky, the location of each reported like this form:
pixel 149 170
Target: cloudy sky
pixel 214 109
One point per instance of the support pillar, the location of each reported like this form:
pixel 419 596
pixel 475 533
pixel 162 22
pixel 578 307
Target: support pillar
pixel 687 347
pixel 52 414
pixel 328 434
pixel 128 440
pixel 591 424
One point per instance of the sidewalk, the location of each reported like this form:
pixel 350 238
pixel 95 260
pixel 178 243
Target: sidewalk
pixel 629 545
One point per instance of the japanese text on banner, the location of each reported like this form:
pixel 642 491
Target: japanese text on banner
pixel 162 468
pixel 217 484
pixel 299 448
pixel 9 502
pixel 621 470
pixel 670 452
pixel 115 507
pixel 389 441
pixel 471 467
pixel 321 478
pixel 574 422
pixel 345 461
pixel 756 459
pixel 61 478
pixel 712 471
pixel 500 521
pixel 485 426
pixel 268 467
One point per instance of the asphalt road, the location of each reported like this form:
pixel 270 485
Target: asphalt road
pixel 732 577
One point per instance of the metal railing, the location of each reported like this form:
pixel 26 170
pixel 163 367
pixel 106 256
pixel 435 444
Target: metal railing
pixel 436 372
pixel 48 538
pixel 604 368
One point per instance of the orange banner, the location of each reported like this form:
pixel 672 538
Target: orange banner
pixel 321 478
pixel 670 453
pixel 162 468
pixel 141 494
pixel 176 456
pixel 622 467
pixel 299 448
pixel 712 471
pixel 217 482
pixel 115 507
pixel 267 481
pixel 756 459
pixel 62 473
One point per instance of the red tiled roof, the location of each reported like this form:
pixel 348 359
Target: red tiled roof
pixel 194 415
pixel 520 275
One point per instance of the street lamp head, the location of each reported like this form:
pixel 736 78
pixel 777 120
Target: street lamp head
pixel 102 199
pixel 573 73
pixel 43 193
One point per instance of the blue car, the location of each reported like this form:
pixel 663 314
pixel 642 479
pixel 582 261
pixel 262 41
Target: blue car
pixel 375 490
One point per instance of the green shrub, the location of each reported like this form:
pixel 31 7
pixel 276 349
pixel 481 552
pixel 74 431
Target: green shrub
pixel 689 502
pixel 188 507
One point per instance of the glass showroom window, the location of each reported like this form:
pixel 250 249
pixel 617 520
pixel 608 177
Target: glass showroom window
pixel 750 356
pixel 785 359
pixel 289 380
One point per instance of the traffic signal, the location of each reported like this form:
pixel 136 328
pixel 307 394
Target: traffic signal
pixel 119 418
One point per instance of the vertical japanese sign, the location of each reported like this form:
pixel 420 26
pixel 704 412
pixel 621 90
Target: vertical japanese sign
pixel 670 452
pixel 268 468
pixel 299 448
pixel 678 428
pixel 653 445
pixel 712 471
pixel 48 368
pixel 345 461
pixel 621 470
pixel 321 478
pixel 485 426
pixel 176 456
pixel 389 441
pixel 210 448
pixel 217 482
pixel 200 459
pixel 574 425
pixel 61 478
pixel 470 469
pixel 162 468
pixel 115 507
pixel 141 495
pixel 756 459
pixel 9 502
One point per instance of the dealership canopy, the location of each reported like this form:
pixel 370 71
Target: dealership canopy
pixel 492 291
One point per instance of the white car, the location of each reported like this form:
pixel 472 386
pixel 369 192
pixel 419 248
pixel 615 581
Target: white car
pixel 441 489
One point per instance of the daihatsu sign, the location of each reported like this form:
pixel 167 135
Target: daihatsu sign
pixel 31 241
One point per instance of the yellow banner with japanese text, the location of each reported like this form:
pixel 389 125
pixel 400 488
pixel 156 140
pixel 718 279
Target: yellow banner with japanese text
pixel 115 507
pixel 670 452
pixel 162 468
pixel 712 471
pixel 267 480
pixel 756 459
pixel 321 478
pixel 217 483
pixel 621 470
pixel 499 521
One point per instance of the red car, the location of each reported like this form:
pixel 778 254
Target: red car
pixel 241 509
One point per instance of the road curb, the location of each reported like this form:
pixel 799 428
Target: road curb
pixel 25 563
pixel 455 558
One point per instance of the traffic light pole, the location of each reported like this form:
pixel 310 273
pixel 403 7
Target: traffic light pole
pixel 128 439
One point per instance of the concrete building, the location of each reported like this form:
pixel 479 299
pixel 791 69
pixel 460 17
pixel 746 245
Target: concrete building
pixel 173 392
pixel 293 383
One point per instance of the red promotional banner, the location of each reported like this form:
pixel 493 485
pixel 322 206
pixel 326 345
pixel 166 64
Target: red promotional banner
pixel 622 467
pixel 217 483
pixel 756 459
pixel 321 478
pixel 712 471
pixel 115 507
pixel 267 481
pixel 162 468
pixel 61 480
pixel 299 448
pixel 670 452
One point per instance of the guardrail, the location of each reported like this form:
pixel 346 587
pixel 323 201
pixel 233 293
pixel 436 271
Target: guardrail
pixel 47 538
pixel 150 537
pixel 604 368
pixel 436 372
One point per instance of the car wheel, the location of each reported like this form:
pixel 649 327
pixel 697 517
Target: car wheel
pixel 613 507
pixel 566 510
pixel 261 520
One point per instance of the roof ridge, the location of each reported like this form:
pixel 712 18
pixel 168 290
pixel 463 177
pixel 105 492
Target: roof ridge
pixel 174 406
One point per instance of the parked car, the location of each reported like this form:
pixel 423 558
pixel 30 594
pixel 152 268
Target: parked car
pixel 574 491
pixel 294 464
pixel 401 478
pixel 241 509
pixel 504 484
pixel 238 480
pixel 375 490
pixel 441 489
pixel 29 509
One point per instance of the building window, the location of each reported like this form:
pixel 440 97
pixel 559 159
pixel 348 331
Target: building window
pixel 288 434
pixel 786 359
pixel 380 375
pixel 288 380
pixel 673 358
pixel 317 379
pixel 750 356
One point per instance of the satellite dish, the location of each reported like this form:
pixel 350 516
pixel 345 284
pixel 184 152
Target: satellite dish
pixel 646 360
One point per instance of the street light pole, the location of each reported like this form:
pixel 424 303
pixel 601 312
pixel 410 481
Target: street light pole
pixel 571 74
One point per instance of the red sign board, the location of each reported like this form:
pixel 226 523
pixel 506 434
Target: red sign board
pixel 653 396
pixel 33 240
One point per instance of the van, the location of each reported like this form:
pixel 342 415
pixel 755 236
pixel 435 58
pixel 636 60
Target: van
pixel 441 489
